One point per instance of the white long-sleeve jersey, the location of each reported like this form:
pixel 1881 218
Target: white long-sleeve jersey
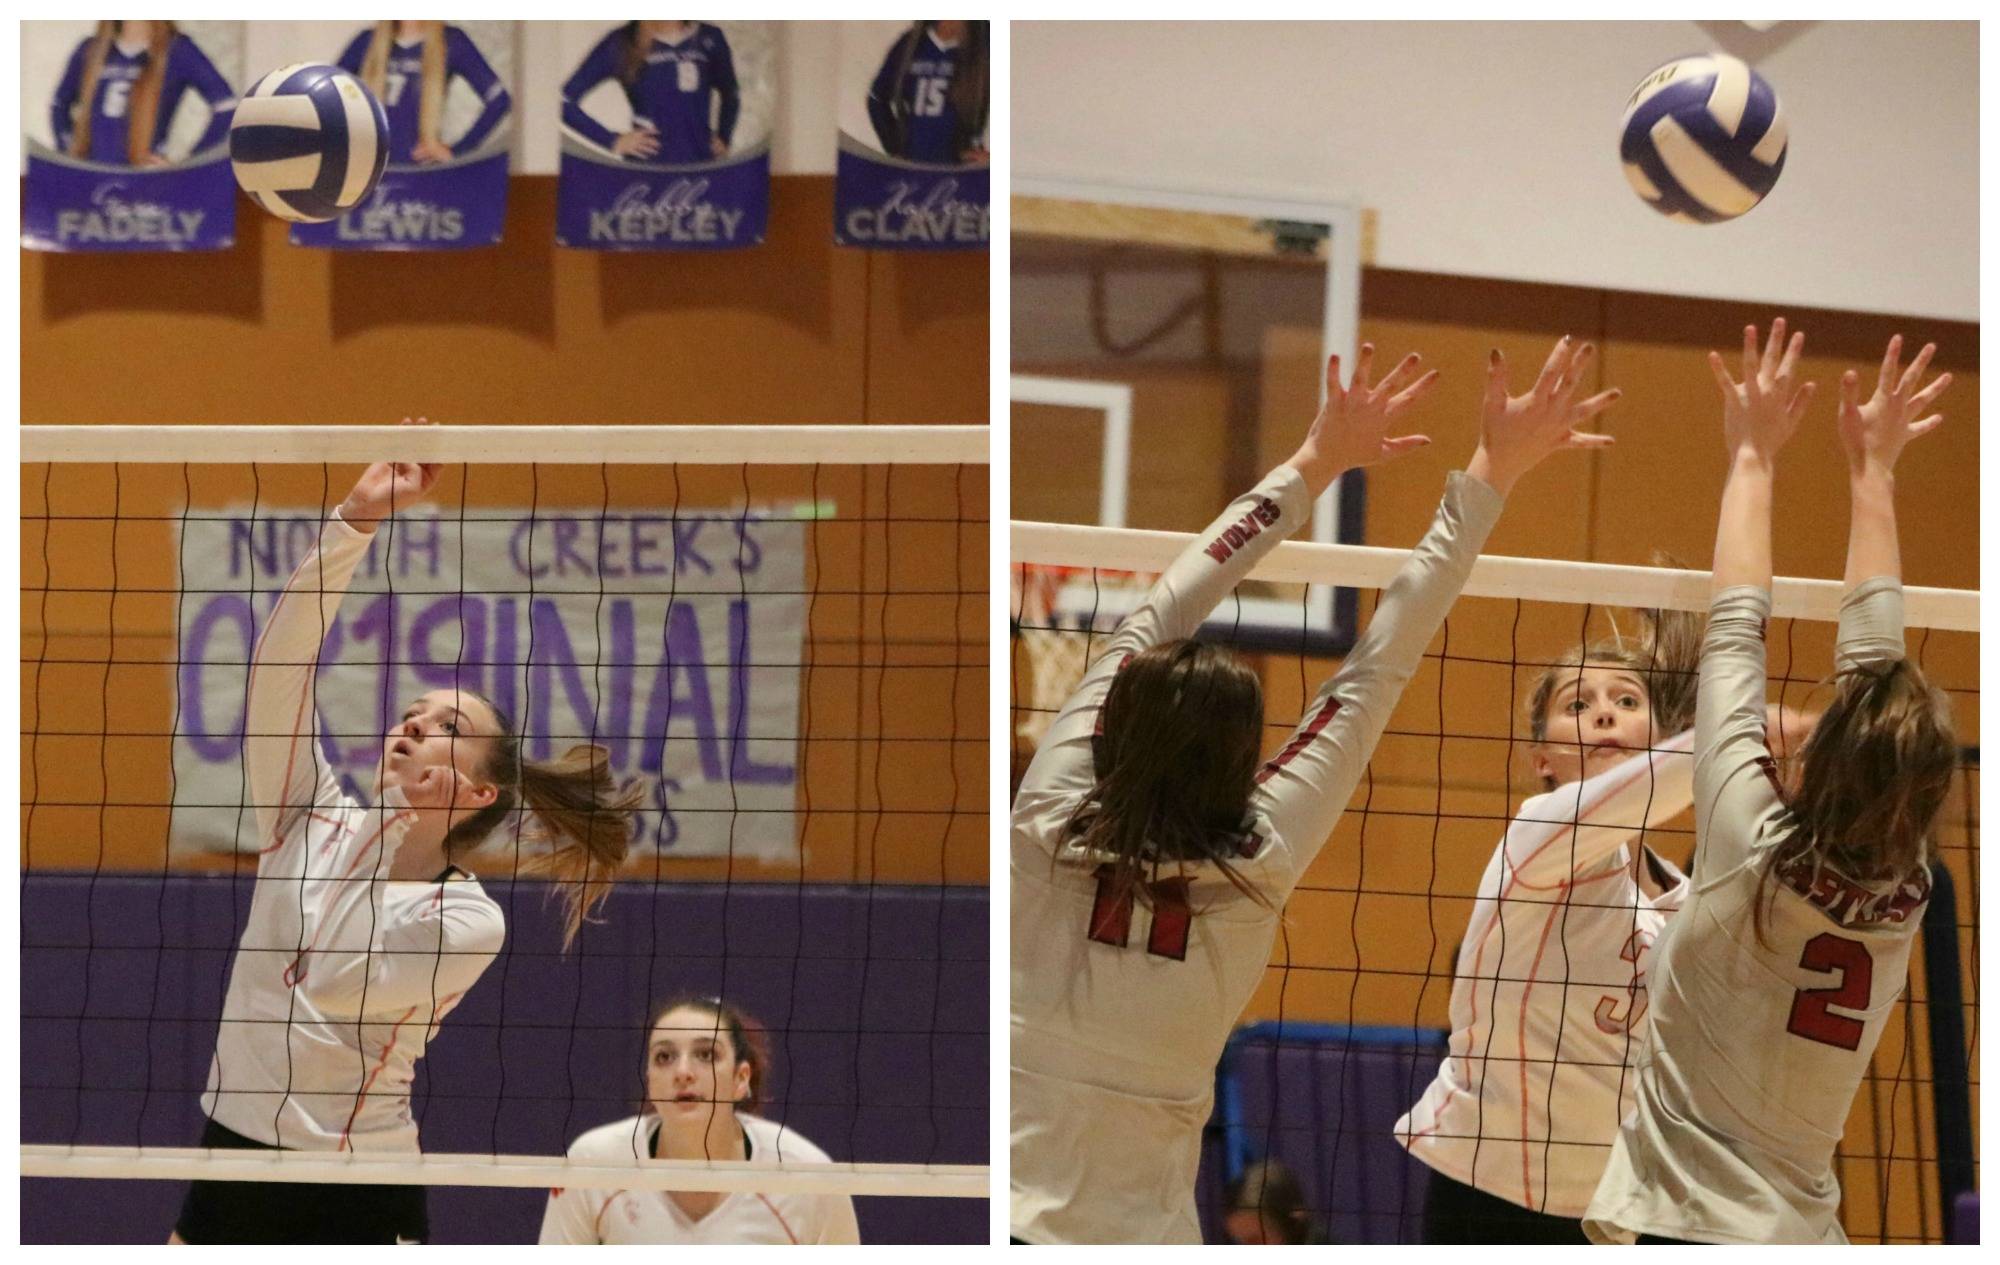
pixel 342 974
pixel 577 1215
pixel 1757 1049
pixel 1549 1001
pixel 1115 1036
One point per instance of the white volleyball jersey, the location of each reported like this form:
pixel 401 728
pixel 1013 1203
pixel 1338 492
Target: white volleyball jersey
pixel 342 975
pixel 576 1215
pixel 1549 998
pixel 1757 1049
pixel 1119 1013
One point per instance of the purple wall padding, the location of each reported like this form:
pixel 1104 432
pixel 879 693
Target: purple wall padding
pixel 875 997
pixel 1328 1111
pixel 1965 1218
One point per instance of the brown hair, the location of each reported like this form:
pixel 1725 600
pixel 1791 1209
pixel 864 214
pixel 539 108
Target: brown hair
pixel 747 1040
pixel 637 37
pixel 144 112
pixel 1176 764
pixel 1269 1189
pixel 1666 655
pixel 1873 778
pixel 580 809
pixel 375 73
pixel 968 86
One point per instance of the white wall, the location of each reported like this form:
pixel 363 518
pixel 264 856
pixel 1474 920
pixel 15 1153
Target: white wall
pixel 1490 149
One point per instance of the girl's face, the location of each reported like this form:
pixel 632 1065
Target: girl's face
pixel 692 1068
pixel 1598 715
pixel 441 729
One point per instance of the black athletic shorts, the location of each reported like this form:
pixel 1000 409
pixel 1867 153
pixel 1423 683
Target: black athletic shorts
pixel 1457 1213
pixel 297 1212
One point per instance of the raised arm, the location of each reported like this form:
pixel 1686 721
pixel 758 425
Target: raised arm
pixel 1574 828
pixel 1736 783
pixel 1350 430
pixel 1305 787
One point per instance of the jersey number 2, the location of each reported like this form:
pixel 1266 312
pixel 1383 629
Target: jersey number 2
pixel 1810 1017
pixel 1111 917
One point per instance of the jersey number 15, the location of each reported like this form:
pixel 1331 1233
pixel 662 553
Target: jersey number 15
pixel 1810 1017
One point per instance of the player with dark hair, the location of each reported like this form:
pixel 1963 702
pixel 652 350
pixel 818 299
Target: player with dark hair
pixel 707 1072
pixel 680 79
pixel 1152 851
pixel 409 66
pixel 119 92
pixel 928 101
pixel 1772 986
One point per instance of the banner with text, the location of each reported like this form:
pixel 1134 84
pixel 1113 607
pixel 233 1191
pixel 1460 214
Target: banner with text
pixel 666 135
pixel 444 88
pixel 674 641
pixel 912 171
pixel 126 130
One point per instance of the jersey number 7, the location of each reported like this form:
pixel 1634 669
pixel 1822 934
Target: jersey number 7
pixel 1810 1017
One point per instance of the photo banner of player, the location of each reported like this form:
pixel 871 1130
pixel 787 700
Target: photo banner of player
pixel 666 135
pixel 444 86
pixel 126 130
pixel 672 640
pixel 913 151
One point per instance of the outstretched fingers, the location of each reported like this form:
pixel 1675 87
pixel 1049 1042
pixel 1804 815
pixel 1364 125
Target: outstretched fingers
pixel 1915 373
pixel 1850 391
pixel 1553 369
pixel 1789 365
pixel 1722 378
pixel 1886 379
pixel 1398 378
pixel 1800 400
pixel 1412 393
pixel 1922 399
pixel 1402 445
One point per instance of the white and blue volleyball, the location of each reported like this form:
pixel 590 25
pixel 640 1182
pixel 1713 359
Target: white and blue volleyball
pixel 308 142
pixel 1703 139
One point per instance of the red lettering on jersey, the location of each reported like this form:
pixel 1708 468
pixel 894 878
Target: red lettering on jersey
pixel 1849 903
pixel 1242 531
pixel 1810 1017
pixel 1110 916
pixel 1608 1019
pixel 1172 918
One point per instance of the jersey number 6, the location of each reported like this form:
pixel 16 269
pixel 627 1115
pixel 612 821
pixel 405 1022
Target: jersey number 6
pixel 1810 1017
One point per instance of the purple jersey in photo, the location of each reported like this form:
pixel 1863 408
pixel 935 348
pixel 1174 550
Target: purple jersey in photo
pixel 910 101
pixel 187 69
pixel 402 89
pixel 670 92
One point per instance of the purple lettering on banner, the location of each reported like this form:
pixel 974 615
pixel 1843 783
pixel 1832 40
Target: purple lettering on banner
pixel 643 543
pixel 417 535
pixel 553 651
pixel 749 554
pixel 71 205
pixel 684 661
pixel 521 548
pixel 207 740
pixel 243 541
pixel 605 203
pixel 567 530
pixel 617 733
pixel 607 546
pixel 685 553
pixel 884 203
pixel 452 206
pixel 741 767
pixel 463 669
pixel 506 659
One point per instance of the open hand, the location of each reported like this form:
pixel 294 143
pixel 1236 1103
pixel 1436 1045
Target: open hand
pixel 1875 431
pixel 1517 431
pixel 1762 411
pixel 1352 427
pixel 388 486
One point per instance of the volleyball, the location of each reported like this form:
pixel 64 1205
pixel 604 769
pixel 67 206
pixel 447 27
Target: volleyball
pixel 308 142
pixel 1703 139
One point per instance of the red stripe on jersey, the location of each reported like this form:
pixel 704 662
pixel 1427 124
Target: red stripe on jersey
pixel 782 1224
pixel 1521 1051
pixel 1301 740
pixel 388 1048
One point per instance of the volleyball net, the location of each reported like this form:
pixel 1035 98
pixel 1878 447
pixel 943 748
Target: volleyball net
pixel 777 634
pixel 1348 1027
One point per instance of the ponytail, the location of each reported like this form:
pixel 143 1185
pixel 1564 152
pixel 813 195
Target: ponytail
pixel 588 823
pixel 578 809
